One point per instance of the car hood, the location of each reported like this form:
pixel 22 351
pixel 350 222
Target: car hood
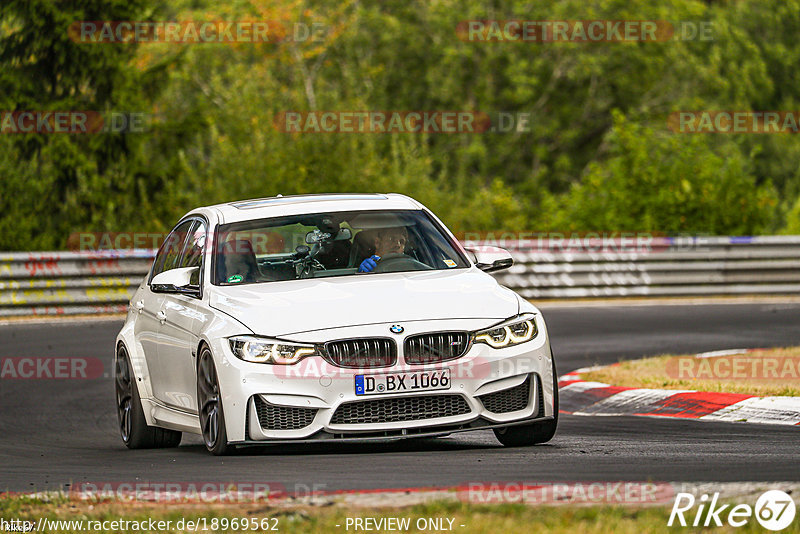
pixel 296 306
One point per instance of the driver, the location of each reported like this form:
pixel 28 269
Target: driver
pixel 387 241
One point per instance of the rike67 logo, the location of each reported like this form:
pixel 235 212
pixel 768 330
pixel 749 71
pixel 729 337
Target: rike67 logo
pixel 774 510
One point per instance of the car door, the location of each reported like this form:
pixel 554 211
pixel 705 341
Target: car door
pixel 151 307
pixel 178 337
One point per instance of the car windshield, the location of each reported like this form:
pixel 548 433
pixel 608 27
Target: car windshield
pixel 331 244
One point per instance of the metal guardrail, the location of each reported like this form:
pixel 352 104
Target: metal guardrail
pixel 66 283
pixel 708 266
pixel 63 283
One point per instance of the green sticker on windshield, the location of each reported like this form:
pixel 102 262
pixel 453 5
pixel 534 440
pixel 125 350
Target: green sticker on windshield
pixel 235 279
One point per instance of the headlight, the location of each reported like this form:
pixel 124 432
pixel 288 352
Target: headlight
pixel 512 332
pixel 263 350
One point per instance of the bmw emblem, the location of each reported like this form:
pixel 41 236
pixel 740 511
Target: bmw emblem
pixel 396 329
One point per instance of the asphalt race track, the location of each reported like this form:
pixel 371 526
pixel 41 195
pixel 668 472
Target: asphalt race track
pixel 54 433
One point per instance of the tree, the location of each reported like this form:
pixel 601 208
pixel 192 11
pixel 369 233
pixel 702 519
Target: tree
pixel 77 182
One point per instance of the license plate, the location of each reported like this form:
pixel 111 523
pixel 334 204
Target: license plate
pixel 402 382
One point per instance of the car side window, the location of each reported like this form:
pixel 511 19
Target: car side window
pixel 170 254
pixel 194 249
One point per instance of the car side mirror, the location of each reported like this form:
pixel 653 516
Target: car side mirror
pixel 175 281
pixel 490 259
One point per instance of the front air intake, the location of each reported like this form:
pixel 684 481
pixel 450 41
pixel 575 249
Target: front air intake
pixel 508 400
pixel 435 347
pixel 364 353
pixel 399 409
pixel 272 417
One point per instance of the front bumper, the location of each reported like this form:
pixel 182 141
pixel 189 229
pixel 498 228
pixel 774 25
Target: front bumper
pixel 313 390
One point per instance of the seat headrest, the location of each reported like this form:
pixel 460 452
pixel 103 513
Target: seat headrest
pixel 238 258
pixel 238 246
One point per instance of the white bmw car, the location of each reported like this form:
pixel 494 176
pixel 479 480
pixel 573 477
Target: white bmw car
pixel 328 317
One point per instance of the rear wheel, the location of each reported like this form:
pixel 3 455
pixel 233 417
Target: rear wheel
pixel 533 433
pixel 133 428
pixel 209 406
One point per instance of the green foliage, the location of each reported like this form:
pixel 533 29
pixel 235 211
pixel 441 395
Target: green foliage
pixel 658 182
pixel 582 166
pixel 57 184
pixel 793 219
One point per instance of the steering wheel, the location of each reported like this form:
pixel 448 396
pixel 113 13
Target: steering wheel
pixel 399 262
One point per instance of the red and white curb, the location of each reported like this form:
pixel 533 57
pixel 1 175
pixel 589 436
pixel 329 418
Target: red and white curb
pixel 579 397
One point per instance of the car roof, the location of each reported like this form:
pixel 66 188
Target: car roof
pixel 278 206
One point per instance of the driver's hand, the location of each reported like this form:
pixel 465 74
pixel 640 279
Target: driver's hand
pixel 369 264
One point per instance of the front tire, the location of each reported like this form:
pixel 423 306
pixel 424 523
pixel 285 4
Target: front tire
pixel 209 406
pixel 133 428
pixel 533 433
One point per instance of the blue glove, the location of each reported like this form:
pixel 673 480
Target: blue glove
pixel 368 264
